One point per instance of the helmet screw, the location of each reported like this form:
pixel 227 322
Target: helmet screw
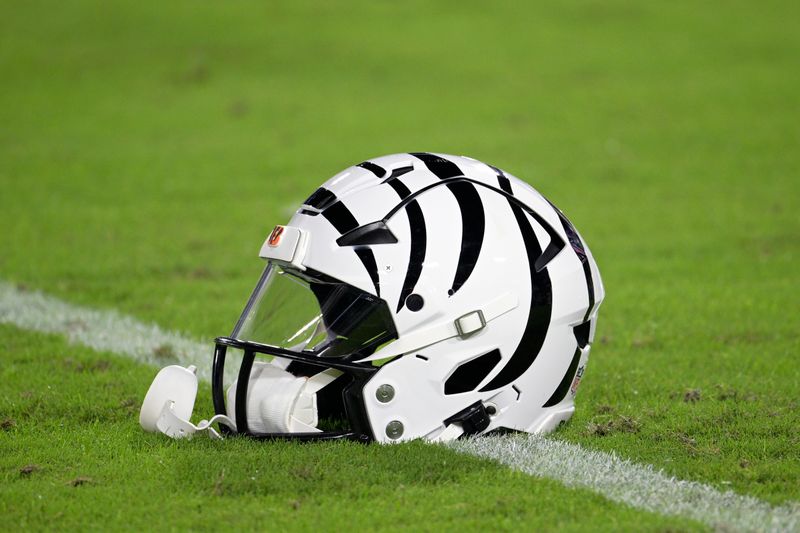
pixel 385 393
pixel 394 429
pixel 491 409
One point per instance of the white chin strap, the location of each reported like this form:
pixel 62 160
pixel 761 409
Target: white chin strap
pixel 174 426
pixel 277 401
pixel 280 402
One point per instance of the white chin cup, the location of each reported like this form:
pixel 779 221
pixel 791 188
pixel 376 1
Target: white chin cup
pixel 280 402
pixel 168 405
pixel 174 384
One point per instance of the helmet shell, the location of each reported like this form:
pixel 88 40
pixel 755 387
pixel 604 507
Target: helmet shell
pixel 467 236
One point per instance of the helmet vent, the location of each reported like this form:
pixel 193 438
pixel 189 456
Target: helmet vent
pixel 378 170
pixel 372 233
pixel 320 199
pixel 581 332
pixel 397 172
pixel 469 375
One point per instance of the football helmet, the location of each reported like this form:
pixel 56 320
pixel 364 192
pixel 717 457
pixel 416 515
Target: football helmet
pixel 411 296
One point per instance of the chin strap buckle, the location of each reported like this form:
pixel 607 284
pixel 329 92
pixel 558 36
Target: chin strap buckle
pixel 471 420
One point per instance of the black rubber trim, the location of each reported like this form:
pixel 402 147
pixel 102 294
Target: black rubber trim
pixel 473 218
pixel 469 375
pixel 372 233
pixel 378 170
pixel 540 308
pixel 355 408
pixel 563 388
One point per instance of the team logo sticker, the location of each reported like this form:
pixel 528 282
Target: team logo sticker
pixel 577 381
pixel 275 237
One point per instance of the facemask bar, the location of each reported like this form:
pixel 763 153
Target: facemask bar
pixel 352 393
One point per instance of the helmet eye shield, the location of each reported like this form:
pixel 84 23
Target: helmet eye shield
pixel 315 316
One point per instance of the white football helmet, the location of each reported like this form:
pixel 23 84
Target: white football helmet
pixel 411 296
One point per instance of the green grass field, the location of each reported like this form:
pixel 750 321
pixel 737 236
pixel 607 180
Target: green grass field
pixel 146 149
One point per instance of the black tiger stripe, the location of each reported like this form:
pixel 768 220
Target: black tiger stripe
pixel 473 219
pixel 556 242
pixel 419 238
pixel 502 179
pixel 368 260
pixel 540 307
pixel 563 388
pixel 443 168
pixel 340 217
pixel 343 220
pixel 578 247
pixel 378 170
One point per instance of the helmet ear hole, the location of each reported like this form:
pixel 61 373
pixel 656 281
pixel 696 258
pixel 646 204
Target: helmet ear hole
pixel 414 302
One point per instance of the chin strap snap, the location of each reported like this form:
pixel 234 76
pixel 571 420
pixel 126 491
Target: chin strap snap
pixel 171 425
pixel 469 421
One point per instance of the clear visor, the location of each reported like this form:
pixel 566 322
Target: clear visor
pixel 321 318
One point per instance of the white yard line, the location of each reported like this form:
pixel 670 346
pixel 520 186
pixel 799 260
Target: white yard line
pixel 640 486
pixel 104 330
